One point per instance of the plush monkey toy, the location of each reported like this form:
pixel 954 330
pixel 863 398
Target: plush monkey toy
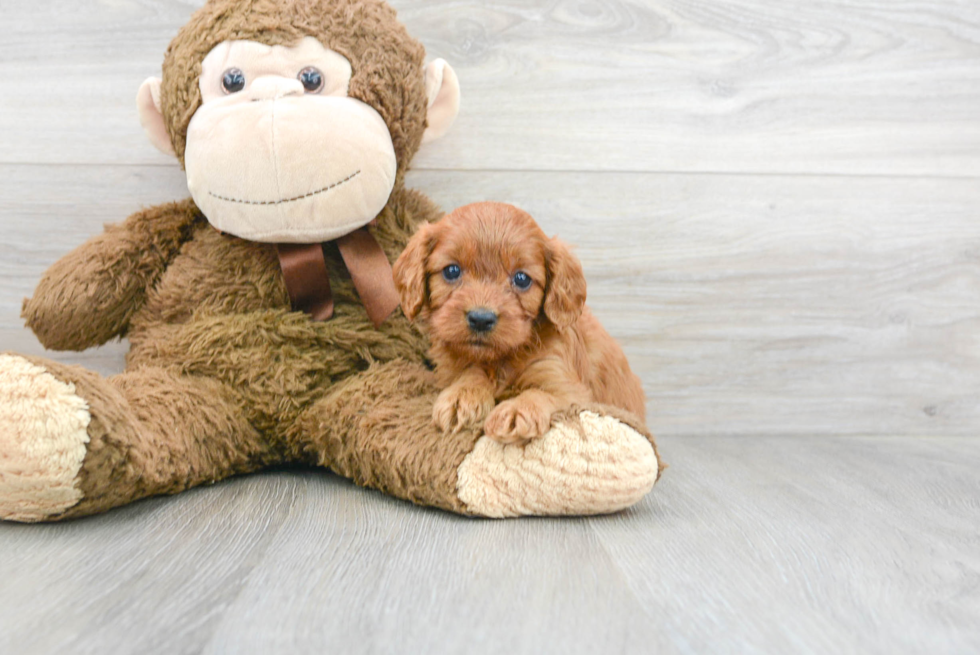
pixel 259 312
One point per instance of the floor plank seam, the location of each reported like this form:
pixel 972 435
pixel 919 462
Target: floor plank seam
pixel 567 171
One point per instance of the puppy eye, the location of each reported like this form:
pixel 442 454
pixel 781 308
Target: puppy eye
pixel 522 280
pixel 452 272
pixel 311 78
pixel 233 80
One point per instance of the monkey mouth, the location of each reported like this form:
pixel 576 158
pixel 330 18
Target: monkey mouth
pixel 288 200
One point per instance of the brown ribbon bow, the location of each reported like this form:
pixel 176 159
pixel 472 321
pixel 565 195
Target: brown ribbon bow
pixel 308 283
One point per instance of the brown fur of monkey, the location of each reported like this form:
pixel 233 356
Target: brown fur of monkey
pixel 386 61
pixel 222 377
pixel 213 334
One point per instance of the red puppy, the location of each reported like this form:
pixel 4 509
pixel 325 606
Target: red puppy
pixel 504 307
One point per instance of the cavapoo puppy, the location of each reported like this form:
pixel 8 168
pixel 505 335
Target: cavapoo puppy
pixel 504 307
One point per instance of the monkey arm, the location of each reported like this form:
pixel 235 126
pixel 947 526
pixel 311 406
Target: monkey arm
pixel 89 296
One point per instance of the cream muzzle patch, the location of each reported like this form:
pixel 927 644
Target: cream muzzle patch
pixel 271 160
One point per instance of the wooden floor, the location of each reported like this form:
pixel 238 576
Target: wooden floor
pixel 805 545
pixel 778 209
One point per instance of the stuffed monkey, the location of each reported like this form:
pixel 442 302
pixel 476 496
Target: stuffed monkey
pixel 260 311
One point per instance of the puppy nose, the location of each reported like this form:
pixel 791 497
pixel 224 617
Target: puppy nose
pixel 481 319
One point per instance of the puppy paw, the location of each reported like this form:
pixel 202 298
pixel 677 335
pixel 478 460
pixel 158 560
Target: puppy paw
pixel 517 419
pixel 459 407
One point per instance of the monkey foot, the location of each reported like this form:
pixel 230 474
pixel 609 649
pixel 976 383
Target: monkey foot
pixel 590 464
pixel 43 437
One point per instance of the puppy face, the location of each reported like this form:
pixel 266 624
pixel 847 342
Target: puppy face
pixel 484 277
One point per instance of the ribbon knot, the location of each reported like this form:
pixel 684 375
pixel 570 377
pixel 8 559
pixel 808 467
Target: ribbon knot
pixel 304 268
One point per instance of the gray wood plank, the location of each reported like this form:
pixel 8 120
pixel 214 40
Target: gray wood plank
pixel 372 575
pixel 46 211
pixel 832 86
pixel 748 305
pixel 774 305
pixel 154 577
pixel 778 309
pixel 748 544
pixel 808 546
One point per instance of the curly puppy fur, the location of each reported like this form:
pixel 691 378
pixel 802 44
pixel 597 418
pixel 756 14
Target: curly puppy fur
pixel 544 351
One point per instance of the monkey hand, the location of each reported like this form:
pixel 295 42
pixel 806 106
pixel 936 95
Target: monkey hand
pixel 88 297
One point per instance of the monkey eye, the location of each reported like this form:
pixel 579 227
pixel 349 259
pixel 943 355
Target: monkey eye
pixel 233 80
pixel 311 78
pixel 452 272
pixel 522 280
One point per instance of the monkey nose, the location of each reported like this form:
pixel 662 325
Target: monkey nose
pixel 270 87
pixel 481 319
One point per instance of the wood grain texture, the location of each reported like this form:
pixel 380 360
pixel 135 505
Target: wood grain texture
pixel 774 305
pixel 808 545
pixel 830 86
pixel 748 305
pixel 154 577
pixel 776 205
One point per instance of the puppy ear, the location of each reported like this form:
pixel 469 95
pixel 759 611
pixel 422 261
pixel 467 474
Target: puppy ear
pixel 409 270
pixel 564 297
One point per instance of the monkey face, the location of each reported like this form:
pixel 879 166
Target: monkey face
pixel 294 120
pixel 278 152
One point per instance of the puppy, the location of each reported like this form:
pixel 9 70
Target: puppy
pixel 504 308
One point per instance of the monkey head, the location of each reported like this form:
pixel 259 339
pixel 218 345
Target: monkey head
pixel 294 120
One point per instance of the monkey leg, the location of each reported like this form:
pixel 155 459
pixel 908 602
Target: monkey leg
pixel 376 428
pixel 73 443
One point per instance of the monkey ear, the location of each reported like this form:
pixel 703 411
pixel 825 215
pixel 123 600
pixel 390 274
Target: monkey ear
pixel 151 118
pixel 564 297
pixel 442 87
pixel 409 270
